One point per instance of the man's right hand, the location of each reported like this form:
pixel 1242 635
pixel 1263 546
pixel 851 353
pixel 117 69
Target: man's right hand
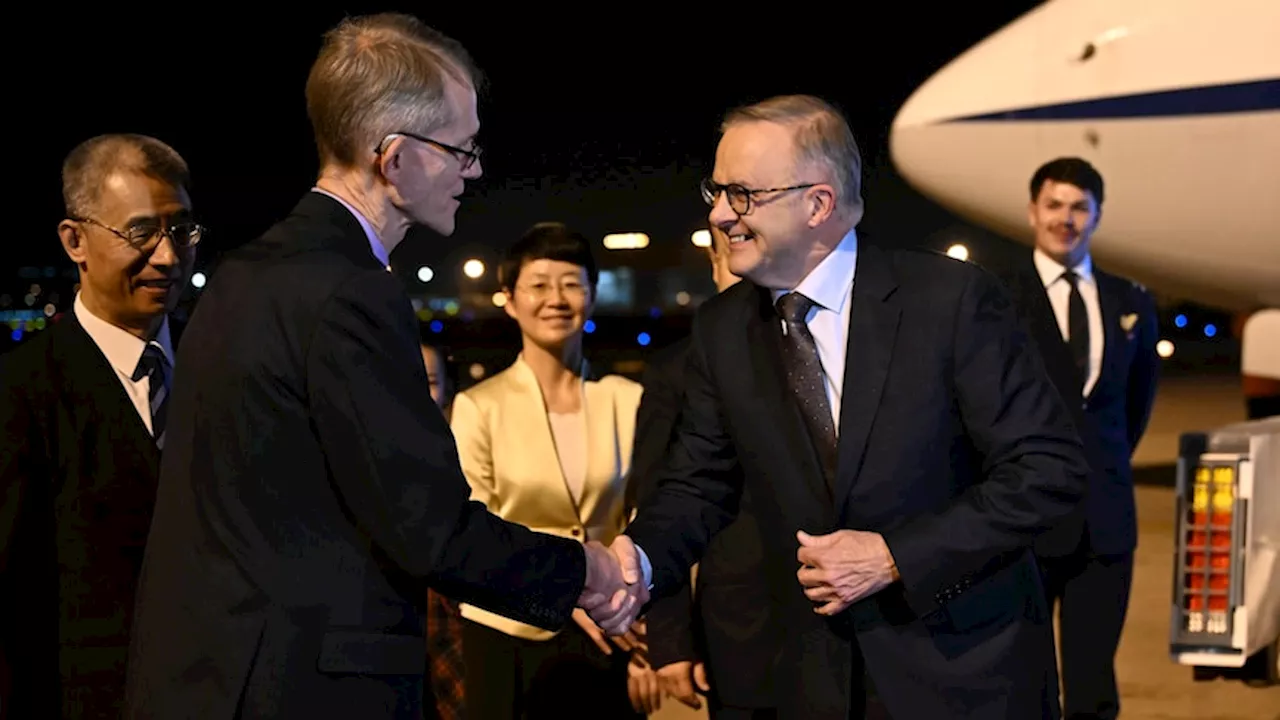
pixel 613 592
pixel 678 679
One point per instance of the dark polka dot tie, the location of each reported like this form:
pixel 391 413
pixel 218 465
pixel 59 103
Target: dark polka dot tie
pixel 804 375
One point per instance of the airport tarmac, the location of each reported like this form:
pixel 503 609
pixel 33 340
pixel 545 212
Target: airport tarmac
pixel 1152 686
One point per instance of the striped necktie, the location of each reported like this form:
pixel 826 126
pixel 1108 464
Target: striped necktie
pixel 155 366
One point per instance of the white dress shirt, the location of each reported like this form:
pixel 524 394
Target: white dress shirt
pixel 1059 292
pixel 830 287
pixel 123 351
pixel 379 251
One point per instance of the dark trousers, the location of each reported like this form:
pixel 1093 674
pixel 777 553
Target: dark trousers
pixel 865 701
pixel 1092 592
pixel 564 677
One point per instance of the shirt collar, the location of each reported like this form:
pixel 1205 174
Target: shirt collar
pixel 830 284
pixel 375 244
pixel 121 348
pixel 1051 270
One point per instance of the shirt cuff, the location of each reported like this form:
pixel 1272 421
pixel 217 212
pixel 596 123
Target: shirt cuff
pixel 646 568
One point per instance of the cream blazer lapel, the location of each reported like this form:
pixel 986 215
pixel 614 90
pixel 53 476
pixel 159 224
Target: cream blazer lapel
pixel 508 454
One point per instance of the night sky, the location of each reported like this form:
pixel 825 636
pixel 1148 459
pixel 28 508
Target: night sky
pixel 605 120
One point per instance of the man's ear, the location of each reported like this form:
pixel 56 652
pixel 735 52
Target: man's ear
pixel 71 233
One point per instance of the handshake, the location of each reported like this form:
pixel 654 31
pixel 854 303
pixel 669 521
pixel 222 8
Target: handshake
pixel 614 590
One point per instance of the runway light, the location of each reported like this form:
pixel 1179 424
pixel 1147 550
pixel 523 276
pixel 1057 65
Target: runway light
pixel 626 241
pixel 198 279
pixel 589 326
pixel 643 338
pixel 1180 320
pixel 1210 330
pixel 499 299
pixel 701 238
pixel 1164 348
pixel 473 268
pixel 958 251
pixel 425 274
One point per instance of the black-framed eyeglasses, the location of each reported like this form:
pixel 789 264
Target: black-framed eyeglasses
pixel 739 196
pixel 141 237
pixel 465 157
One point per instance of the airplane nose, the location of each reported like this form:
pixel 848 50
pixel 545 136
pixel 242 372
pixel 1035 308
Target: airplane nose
pixel 948 141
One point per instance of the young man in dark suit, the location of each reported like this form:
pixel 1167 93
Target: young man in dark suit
pixel 720 639
pixel 1097 334
pixel 310 492
pixel 82 423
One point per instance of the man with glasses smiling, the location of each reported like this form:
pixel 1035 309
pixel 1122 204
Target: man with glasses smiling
pixel 311 491
pixel 900 440
pixel 82 425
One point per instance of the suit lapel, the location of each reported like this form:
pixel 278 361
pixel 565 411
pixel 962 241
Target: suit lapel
pixel 1034 302
pixel 873 329
pixel 541 443
pixel 96 390
pixel 1112 333
pixel 811 497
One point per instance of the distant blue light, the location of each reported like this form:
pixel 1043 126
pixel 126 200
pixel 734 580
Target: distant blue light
pixel 589 326
pixel 655 312
pixel 436 326
pixel 16 335
pixel 1180 320
pixel 1210 330
pixel 643 338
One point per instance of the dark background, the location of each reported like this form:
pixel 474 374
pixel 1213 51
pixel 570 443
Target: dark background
pixel 604 118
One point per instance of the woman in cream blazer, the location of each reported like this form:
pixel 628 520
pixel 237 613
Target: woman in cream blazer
pixel 547 444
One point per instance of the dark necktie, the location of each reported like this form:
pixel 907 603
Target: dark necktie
pixel 1077 327
pixel 155 365
pixel 804 375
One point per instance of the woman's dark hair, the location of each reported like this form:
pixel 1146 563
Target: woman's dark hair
pixel 547 241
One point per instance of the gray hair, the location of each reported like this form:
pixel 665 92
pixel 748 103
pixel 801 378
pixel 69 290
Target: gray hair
pixel 377 75
pixel 822 136
pixel 88 165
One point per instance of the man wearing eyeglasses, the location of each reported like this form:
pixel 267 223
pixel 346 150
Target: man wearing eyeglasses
pixel 901 443
pixel 311 491
pixel 82 425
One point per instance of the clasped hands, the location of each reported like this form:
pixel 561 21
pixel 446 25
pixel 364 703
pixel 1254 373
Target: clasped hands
pixel 614 590
pixel 843 567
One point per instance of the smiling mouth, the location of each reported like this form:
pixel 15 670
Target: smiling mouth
pixel 739 239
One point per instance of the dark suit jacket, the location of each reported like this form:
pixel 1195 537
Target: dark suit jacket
pixel 953 445
pixel 77 485
pixel 726 622
pixel 310 492
pixel 1114 416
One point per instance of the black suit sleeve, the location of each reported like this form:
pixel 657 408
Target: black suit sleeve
pixel 1144 373
pixel 670 618
pixel 395 466
pixel 1033 470
pixel 656 420
pixel 699 487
